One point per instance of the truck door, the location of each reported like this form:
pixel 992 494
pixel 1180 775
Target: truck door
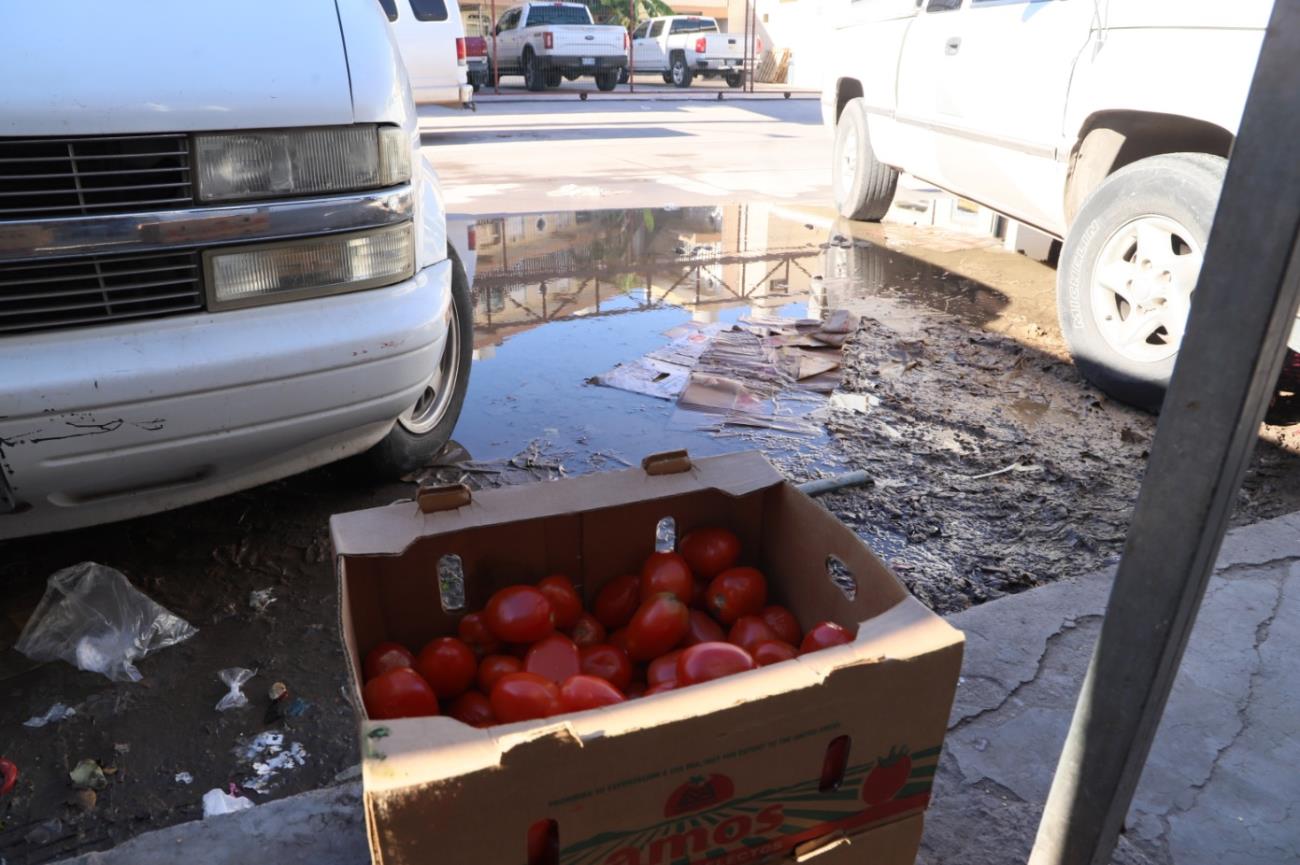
pixel 650 54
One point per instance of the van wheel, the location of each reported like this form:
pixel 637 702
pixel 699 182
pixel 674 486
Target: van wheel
pixel 734 79
pixel 534 77
pixel 864 186
pixel 423 430
pixel 607 81
pixel 680 71
pixel 1128 268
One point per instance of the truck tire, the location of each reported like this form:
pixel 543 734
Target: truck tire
pixel 864 186
pixel 554 77
pixel 623 75
pixel 680 71
pixel 422 432
pixel 668 78
pixel 607 80
pixel 734 79
pixel 1128 268
pixel 534 76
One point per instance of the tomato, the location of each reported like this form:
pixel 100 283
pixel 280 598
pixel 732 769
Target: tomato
pixel 448 666
pixel 398 693
pixel 709 552
pixel 524 696
pixel 587 631
pixel 618 639
pixel 474 632
pixel 773 652
pixel 736 592
pixel 705 662
pixel 823 635
pixel 556 658
pixel 617 601
pixel 564 599
pixel 658 626
pixel 889 775
pixel 474 709
pixel 660 688
pixel 588 692
pixel 519 614
pixel 386 656
pixel 493 667
pixel 8 776
pixel 783 624
pixel 666 572
pixel 608 662
pixel 663 669
pixel 748 632
pixel 543 843
pixel 701 628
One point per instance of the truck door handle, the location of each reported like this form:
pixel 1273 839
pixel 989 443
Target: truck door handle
pixel 952 46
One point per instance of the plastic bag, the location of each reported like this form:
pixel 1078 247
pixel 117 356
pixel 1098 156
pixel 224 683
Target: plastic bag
pixel 93 618
pixel 216 802
pixel 234 678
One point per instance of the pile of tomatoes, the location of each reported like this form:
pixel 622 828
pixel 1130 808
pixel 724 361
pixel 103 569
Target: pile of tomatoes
pixel 690 616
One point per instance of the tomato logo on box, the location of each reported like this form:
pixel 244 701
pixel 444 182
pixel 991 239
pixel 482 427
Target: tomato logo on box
pixel 699 793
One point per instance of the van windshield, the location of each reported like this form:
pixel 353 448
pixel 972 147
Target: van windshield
pixel 558 15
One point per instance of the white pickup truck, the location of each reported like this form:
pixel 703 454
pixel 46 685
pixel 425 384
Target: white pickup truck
pixel 683 46
pixel 545 42
pixel 1106 124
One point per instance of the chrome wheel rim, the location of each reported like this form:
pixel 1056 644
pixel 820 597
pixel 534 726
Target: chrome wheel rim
pixel 431 407
pixel 678 72
pixel 848 163
pixel 1142 287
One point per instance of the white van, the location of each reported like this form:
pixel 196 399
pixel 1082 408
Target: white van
pixel 431 37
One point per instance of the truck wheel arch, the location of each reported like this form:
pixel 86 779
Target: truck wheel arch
pixel 1110 140
pixel 846 89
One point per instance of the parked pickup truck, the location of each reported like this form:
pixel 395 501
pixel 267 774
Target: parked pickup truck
pixel 221 275
pixel 1105 124
pixel 545 42
pixel 683 46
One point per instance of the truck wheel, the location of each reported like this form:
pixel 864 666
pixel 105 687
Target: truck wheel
pixel 553 78
pixel 668 78
pixel 424 429
pixel 681 71
pixel 1128 268
pixel 734 79
pixel 623 75
pixel 534 77
pixel 607 80
pixel 864 186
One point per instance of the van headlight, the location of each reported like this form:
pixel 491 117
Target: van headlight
pixel 232 166
pixel 281 271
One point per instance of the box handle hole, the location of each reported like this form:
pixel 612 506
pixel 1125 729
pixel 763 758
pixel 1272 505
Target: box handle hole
pixel 544 843
pixel 842 577
pixel 666 535
pixel 451 584
pixel 834 764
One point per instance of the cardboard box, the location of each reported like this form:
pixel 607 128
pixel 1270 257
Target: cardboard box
pixel 728 772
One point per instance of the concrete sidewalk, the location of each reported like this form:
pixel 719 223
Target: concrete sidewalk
pixel 1221 786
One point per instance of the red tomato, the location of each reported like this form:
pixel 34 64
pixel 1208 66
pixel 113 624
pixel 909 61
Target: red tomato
pixel 448 666
pixel 608 662
pixel 556 658
pixel 524 696
pixel 702 629
pixel 520 614
pixel 398 693
pixel 660 688
pixel 618 639
pixel 588 692
pixel 564 599
pixel 472 708
pixel 543 843
pixel 783 624
pixel 773 652
pixel 749 631
pixel 617 601
pixel 705 662
pixel 657 627
pixel 663 669
pixel 386 656
pixel 823 635
pixel 587 631
pixel 493 667
pixel 666 572
pixel 709 552
pixel 736 592
pixel 474 632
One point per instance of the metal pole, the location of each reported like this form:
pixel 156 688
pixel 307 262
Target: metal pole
pixel 631 47
pixel 1228 367
pixel 745 73
pixel 753 49
pixel 496 67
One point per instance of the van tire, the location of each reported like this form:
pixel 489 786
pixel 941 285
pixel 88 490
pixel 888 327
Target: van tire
pixel 607 80
pixel 1174 194
pixel 534 76
pixel 403 451
pixel 863 185
pixel 680 71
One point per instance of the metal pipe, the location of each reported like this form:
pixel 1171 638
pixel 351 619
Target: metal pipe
pixel 837 482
